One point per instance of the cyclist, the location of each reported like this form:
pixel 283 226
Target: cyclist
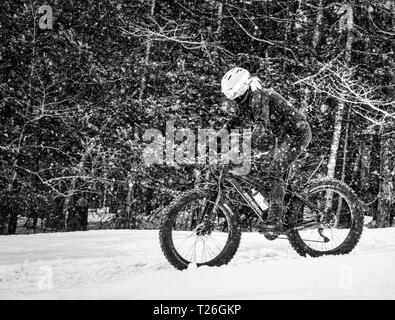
pixel 271 115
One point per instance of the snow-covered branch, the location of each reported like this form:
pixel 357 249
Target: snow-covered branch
pixel 340 82
pixel 170 31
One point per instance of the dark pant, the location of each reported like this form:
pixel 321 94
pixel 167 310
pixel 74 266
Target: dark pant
pixel 290 147
pixel 288 150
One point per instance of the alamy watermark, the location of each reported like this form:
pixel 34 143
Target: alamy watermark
pixel 346 279
pixel 45 278
pixel 46 20
pixel 207 146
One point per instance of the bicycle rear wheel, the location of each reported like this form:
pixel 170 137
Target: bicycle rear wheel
pixel 336 218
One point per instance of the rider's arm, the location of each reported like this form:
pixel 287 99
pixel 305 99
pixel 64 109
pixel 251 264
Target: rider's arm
pixel 292 120
pixel 233 123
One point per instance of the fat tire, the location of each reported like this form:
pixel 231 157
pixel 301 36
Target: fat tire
pixel 170 213
pixel 356 229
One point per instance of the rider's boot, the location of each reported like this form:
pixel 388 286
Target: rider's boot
pixel 273 224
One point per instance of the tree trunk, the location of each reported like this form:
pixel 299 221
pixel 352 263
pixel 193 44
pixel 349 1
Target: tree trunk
pixel 143 83
pixel 335 140
pixel 129 201
pixel 355 167
pixel 149 192
pixel 3 225
pixel 66 207
pixel 219 16
pixel 344 164
pixel 350 35
pixel 365 164
pixel 387 172
pixel 340 107
pixel 318 24
pixel 104 200
pixel 305 100
pixel 345 150
pixel 291 15
pixel 13 221
pixel 393 16
pixel 105 191
pixel 35 220
pixel 386 202
pixel 305 90
pixel 11 205
pixel 82 213
pixel 334 149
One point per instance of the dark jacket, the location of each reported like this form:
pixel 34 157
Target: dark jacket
pixel 268 109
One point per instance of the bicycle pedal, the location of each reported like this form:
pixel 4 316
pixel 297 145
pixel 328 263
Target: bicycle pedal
pixel 271 229
pixel 271 237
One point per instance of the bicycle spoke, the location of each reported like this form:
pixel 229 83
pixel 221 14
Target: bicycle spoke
pixel 199 242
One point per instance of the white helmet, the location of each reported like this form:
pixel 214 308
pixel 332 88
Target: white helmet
pixel 235 83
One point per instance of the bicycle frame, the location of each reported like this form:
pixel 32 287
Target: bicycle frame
pixel 247 198
pixel 234 181
pixel 237 186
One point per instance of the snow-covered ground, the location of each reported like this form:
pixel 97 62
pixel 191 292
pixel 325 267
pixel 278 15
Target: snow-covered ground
pixel 128 264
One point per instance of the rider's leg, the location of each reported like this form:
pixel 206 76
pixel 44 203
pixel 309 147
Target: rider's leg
pixel 277 186
pixel 289 150
pixel 291 147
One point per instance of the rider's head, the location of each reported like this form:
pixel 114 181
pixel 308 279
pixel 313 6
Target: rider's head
pixel 237 83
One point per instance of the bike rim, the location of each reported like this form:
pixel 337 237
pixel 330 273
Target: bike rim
pixel 196 240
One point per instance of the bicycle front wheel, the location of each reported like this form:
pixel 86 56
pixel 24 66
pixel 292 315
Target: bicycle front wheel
pixel 191 233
